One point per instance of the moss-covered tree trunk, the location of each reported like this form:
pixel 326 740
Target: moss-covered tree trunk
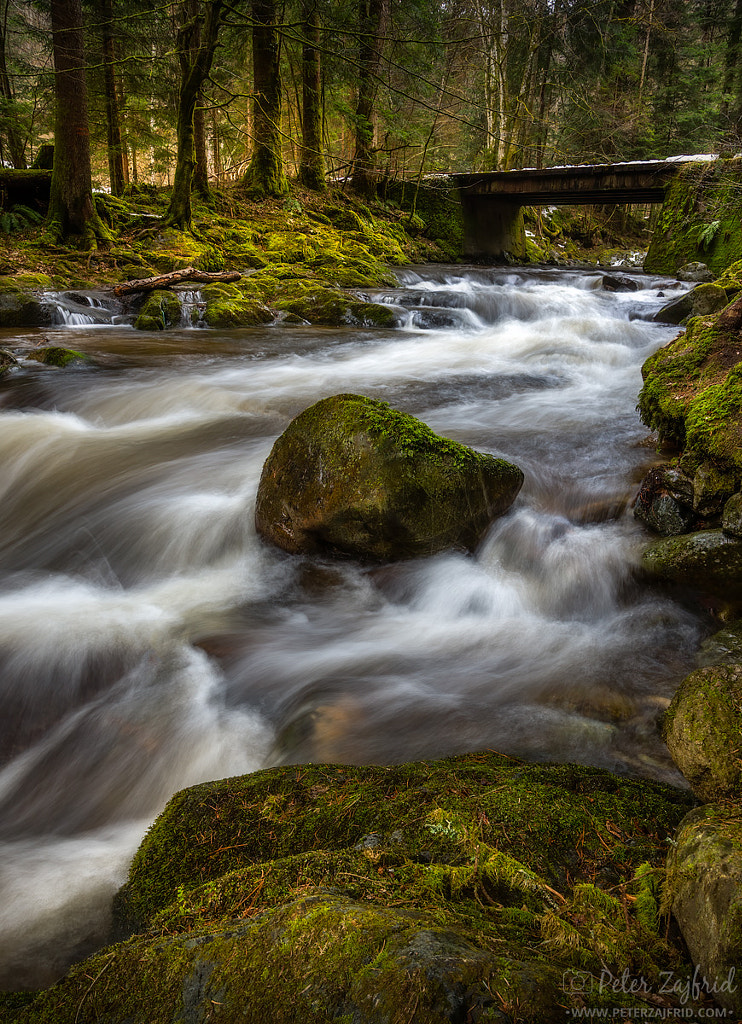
pixel 116 151
pixel 197 41
pixel 71 207
pixel 312 165
pixel 372 18
pixel 265 175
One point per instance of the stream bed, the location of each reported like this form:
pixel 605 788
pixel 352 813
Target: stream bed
pixel 150 640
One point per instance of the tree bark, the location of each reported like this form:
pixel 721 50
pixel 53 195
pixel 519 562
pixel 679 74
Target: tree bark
pixel 372 19
pixel 13 138
pixel 201 170
pixel 116 163
pixel 312 165
pixel 265 175
pixel 148 284
pixel 71 207
pixel 196 47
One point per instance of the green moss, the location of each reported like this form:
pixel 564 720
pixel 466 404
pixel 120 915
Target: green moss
pixel 160 309
pixel 230 305
pixel 56 356
pixel 700 195
pixel 332 308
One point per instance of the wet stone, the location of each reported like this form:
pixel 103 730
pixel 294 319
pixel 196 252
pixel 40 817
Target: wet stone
pixel 711 488
pixel 732 517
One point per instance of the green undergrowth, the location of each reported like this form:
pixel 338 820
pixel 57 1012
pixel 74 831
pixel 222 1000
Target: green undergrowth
pixel 420 892
pixel 700 219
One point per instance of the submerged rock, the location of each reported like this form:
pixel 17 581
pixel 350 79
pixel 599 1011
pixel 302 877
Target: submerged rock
pixel 704 890
pixel 353 476
pixel 703 731
pixel 54 355
pixel 723 648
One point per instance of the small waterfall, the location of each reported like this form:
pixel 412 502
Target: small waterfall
pixel 77 309
pixel 192 308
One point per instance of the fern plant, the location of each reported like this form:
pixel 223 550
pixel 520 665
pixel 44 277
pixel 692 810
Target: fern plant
pixel 18 218
pixel 705 233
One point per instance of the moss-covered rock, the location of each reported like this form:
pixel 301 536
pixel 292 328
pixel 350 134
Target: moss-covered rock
pixel 352 476
pixel 439 891
pixel 161 309
pixel 703 731
pixel 692 393
pixel 723 648
pixel 731 521
pixel 707 560
pixel 331 307
pixel 20 307
pixel 704 890
pixel 699 301
pixel 228 305
pixel 54 355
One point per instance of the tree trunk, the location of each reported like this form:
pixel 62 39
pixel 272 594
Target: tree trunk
pixel 71 207
pixel 196 47
pixel 312 165
pixel 265 175
pixel 116 170
pixel 372 18
pixel 201 171
pixel 13 138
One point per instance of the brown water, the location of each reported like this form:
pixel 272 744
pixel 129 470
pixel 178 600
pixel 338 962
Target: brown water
pixel 149 640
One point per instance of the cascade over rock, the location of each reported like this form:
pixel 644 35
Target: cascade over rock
pixel 353 476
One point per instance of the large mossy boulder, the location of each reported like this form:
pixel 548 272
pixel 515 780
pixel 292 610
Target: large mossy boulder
pixel 699 301
pixel 704 891
pixel 227 305
pixel 707 560
pixel 20 306
pixel 464 889
pixel 55 355
pixel 692 392
pixel 703 731
pixel 331 307
pixel 353 476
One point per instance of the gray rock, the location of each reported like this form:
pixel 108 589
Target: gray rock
pixel 723 648
pixel 708 560
pixel 704 886
pixel 695 272
pixel 666 516
pixel 732 516
pixel 699 301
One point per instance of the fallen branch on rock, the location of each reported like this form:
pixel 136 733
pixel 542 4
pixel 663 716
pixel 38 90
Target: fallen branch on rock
pixel 148 284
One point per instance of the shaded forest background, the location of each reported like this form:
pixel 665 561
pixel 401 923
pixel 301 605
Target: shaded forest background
pixel 436 85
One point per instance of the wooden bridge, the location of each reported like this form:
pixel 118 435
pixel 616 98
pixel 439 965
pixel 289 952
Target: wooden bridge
pixel 491 201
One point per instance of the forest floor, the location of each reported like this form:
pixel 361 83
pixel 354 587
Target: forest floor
pixel 334 238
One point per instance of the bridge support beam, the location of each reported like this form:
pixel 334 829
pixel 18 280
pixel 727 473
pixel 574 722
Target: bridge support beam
pixel 492 227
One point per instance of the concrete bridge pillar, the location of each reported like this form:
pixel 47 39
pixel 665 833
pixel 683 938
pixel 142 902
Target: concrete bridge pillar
pixel 492 226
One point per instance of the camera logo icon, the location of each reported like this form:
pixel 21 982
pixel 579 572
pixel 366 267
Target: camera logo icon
pixel 576 981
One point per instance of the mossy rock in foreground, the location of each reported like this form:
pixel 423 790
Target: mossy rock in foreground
pixel 704 891
pixel 353 476
pixel 19 307
pixel 463 889
pixel 703 731
pixel 227 305
pixel 706 560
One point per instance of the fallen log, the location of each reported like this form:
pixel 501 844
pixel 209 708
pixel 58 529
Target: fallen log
pixel 26 186
pixel 148 284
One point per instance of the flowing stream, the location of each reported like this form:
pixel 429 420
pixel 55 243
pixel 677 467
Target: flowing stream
pixel 149 640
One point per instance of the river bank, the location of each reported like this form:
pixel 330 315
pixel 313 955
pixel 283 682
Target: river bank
pixel 440 907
